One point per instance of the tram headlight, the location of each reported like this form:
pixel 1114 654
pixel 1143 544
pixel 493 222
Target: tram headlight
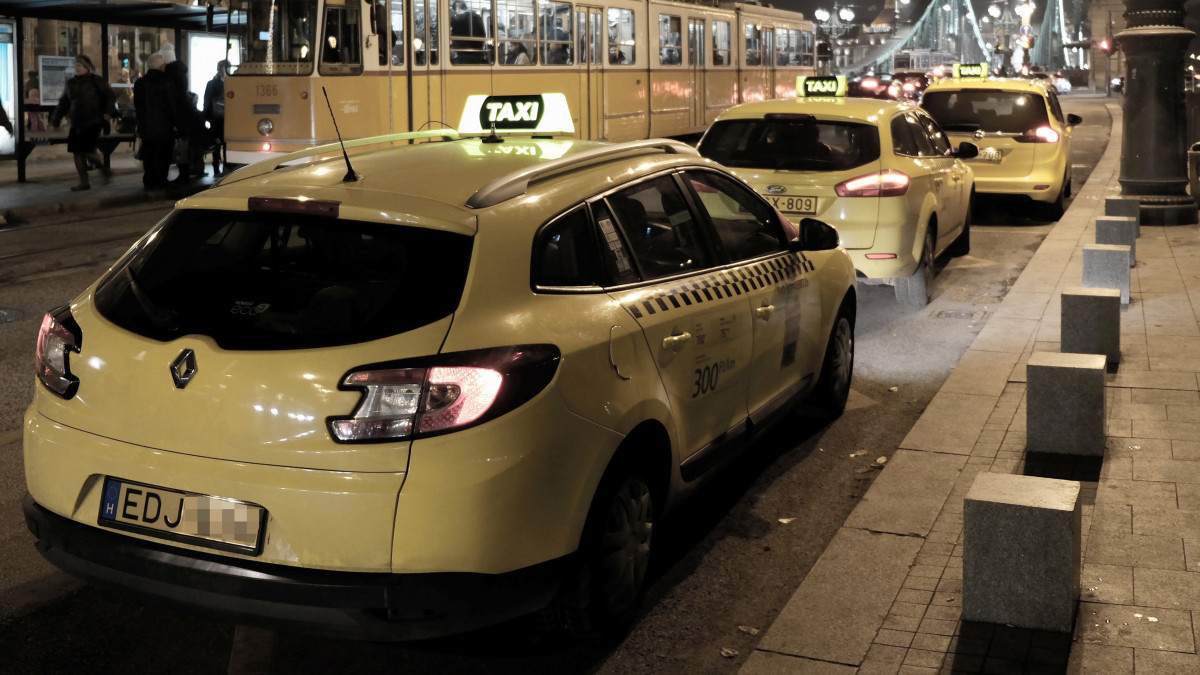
pixel 265 127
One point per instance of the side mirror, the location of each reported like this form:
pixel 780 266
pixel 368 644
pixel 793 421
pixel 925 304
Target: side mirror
pixel 967 150
pixel 1073 119
pixel 816 236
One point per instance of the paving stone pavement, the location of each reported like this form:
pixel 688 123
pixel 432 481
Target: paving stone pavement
pixel 886 596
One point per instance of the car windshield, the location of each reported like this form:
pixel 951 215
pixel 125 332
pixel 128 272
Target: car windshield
pixel 261 280
pixel 1009 112
pixel 791 144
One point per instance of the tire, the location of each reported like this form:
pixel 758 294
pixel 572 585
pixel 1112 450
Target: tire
pixel 600 600
pixel 915 291
pixel 837 368
pixel 1055 209
pixel 962 244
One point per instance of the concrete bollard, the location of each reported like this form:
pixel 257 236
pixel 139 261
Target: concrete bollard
pixel 1119 231
pixel 1065 404
pixel 1021 551
pixel 1107 266
pixel 1091 322
pixel 1128 207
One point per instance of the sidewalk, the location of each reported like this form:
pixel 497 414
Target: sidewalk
pixel 50 173
pixel 885 597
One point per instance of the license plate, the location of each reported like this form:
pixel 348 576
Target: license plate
pixel 803 205
pixel 990 155
pixel 215 522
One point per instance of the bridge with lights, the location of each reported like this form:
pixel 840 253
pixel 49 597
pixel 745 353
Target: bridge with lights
pixel 951 31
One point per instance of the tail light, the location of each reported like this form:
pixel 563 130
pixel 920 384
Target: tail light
pixel 443 393
pixel 1039 135
pixel 888 183
pixel 58 337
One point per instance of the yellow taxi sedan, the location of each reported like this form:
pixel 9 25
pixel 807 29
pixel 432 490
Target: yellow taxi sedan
pixel 881 172
pixel 455 383
pixel 1023 136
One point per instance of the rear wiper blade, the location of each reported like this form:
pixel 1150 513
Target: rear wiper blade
pixel 163 318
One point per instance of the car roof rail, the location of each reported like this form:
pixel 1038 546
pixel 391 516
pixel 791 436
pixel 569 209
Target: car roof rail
pixel 268 165
pixel 517 183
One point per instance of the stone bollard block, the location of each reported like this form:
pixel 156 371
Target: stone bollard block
pixel 1065 404
pixel 1091 322
pixel 1119 231
pixel 1021 551
pixel 1107 266
pixel 1128 207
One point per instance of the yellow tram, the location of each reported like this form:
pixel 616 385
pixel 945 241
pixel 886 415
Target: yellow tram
pixel 630 69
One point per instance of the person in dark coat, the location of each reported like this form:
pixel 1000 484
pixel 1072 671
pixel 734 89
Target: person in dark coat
pixel 467 23
pixel 214 114
pixel 190 125
pixel 89 103
pixel 156 100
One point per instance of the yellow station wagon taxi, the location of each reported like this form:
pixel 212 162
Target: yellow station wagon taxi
pixel 456 383
pixel 881 172
pixel 1023 136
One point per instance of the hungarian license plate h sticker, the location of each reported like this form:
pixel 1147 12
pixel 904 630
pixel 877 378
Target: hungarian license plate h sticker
pixel 214 522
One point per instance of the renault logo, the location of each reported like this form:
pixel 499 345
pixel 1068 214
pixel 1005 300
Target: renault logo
pixel 183 368
pixel 776 189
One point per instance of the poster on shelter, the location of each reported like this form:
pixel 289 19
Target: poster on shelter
pixel 54 71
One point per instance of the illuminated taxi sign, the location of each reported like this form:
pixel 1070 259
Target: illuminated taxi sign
pixel 828 85
pixel 531 113
pixel 970 71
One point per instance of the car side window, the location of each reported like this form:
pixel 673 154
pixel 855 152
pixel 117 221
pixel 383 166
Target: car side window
pixel 924 142
pixel 1055 108
pixel 746 225
pixel 565 253
pixel 903 142
pixel 941 144
pixel 663 233
pixel 617 262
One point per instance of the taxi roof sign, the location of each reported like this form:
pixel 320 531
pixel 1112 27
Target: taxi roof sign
pixel 826 85
pixel 971 71
pixel 530 113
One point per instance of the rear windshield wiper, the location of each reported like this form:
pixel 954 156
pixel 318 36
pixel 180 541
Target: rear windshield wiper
pixel 163 318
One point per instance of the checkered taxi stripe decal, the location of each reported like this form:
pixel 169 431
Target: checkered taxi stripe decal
pixel 725 284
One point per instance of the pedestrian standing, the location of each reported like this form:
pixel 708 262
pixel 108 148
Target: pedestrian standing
pixel 89 104
pixel 214 114
pixel 189 155
pixel 156 101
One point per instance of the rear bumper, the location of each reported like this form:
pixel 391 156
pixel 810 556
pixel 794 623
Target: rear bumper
pixel 354 605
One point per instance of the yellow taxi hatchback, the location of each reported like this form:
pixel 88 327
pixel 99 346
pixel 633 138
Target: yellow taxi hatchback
pixel 881 172
pixel 1023 136
pixel 455 384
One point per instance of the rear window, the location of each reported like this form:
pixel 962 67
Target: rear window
pixel 802 144
pixel 258 281
pixel 1007 112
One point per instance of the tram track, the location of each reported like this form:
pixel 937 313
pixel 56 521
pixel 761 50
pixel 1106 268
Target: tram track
pixel 34 249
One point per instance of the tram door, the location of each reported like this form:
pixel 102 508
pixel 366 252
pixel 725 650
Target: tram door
pixel 768 55
pixel 590 33
pixel 696 62
pixel 8 84
pixel 426 93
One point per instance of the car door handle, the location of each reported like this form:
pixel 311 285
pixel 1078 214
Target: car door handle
pixel 676 342
pixel 765 312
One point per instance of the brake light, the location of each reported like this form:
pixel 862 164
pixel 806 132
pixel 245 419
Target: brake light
pixel 1039 135
pixel 889 183
pixel 443 393
pixel 58 337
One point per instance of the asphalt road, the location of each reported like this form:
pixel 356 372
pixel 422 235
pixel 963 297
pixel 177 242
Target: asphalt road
pixel 726 563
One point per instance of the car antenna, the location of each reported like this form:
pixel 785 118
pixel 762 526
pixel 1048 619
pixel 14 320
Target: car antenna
pixel 493 138
pixel 351 176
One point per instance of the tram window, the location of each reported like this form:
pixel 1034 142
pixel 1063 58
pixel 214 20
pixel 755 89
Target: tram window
pixel 787 43
pixel 695 42
pixel 669 46
pixel 753 45
pixel 397 29
pixel 807 49
pixel 620 37
pixel 515 26
pixel 469 32
pixel 555 25
pixel 279 38
pixel 425 35
pixel 721 43
pixel 340 53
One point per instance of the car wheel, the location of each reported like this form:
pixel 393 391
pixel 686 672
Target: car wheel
pixel 915 291
pixel 1055 209
pixel 833 389
pixel 962 244
pixel 600 600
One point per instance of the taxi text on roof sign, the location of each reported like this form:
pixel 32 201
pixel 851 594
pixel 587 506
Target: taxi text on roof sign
pixel 970 71
pixel 828 85
pixel 533 113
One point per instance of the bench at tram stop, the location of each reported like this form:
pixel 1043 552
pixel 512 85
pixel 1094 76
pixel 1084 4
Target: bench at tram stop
pixel 107 143
pixel 1091 322
pixel 1107 266
pixel 1022 551
pixel 1065 404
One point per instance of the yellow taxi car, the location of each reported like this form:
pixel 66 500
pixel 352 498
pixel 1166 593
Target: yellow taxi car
pixel 455 383
pixel 1023 136
pixel 881 172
